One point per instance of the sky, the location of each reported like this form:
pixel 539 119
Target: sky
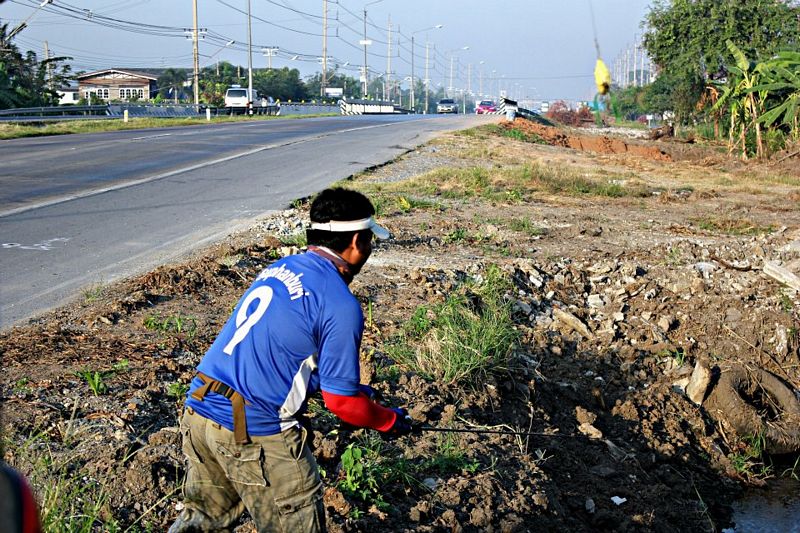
pixel 539 49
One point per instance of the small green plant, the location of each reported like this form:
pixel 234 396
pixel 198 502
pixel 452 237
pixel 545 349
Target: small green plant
pixel 360 477
pixel 295 239
pixel 455 236
pixel 673 256
pixel 526 225
pixel 517 135
pixel 177 390
pixel 230 261
pixel 175 324
pixel 95 380
pixel 21 387
pixel 748 459
pixel 93 293
pixel 120 366
pixel 450 457
pixel 786 302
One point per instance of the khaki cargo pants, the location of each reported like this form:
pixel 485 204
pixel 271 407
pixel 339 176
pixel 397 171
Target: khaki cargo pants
pixel 274 477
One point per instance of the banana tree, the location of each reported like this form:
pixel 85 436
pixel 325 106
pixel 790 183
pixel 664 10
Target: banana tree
pixel 744 100
pixel 782 75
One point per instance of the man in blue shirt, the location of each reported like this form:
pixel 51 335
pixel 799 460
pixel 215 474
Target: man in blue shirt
pixel 297 330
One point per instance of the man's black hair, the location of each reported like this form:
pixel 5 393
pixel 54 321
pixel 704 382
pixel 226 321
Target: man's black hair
pixel 340 205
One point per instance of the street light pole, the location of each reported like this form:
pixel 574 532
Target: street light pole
pixel 427 79
pixel 324 80
pixel 413 100
pixel 365 81
pixel 24 24
pixel 249 55
pixel 196 80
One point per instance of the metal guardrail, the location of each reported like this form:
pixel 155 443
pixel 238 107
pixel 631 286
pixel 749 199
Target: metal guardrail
pixel 73 112
pixel 368 107
pixel 64 110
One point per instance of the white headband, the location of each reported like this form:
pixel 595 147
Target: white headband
pixel 353 225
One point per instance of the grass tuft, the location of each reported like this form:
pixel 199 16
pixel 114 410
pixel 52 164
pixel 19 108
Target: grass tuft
pixel 463 339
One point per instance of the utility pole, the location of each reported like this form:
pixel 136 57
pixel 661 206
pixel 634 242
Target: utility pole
pixel 269 52
pixel 388 79
pixel 635 50
pixel 324 82
pixel 413 100
pixel 49 66
pixel 249 56
pixel 450 88
pixel 196 78
pixel 427 78
pixel 469 78
pixel 364 81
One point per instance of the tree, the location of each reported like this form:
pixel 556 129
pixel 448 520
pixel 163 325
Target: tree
pixel 170 83
pixel 27 82
pixel 686 39
pixel 281 84
pixel 350 85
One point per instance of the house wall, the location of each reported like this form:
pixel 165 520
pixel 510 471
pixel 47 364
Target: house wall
pixel 68 97
pixel 117 86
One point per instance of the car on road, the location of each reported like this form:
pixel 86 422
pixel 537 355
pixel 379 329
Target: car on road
pixel 447 105
pixel 485 106
pixel 237 101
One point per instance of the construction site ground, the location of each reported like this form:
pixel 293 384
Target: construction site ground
pixel 629 261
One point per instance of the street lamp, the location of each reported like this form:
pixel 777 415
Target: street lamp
pixel 451 63
pixel 366 42
pixel 413 100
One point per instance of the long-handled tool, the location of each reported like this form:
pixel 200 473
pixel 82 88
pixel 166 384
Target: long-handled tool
pixel 418 428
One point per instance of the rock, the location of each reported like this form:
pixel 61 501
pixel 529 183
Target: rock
pixel 666 322
pixel 698 383
pixel 781 340
pixel 618 316
pixel 431 483
pixel 595 301
pixel 590 431
pixel 782 275
pixel 523 307
pixel 572 321
pixel 589 506
pixel 584 416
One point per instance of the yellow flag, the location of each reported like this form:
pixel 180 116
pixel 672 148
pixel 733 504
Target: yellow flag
pixel 602 77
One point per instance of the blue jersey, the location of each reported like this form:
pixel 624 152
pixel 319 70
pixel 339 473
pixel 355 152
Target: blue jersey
pixel 297 329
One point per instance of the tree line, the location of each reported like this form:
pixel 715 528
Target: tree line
pixel 730 69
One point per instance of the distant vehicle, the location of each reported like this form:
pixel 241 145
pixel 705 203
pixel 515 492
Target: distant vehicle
pixel 485 106
pixel 447 105
pixel 237 101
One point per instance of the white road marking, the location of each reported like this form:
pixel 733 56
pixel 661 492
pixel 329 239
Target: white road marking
pixel 146 137
pixel 43 246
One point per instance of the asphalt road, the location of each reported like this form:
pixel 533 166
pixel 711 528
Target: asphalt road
pixel 81 210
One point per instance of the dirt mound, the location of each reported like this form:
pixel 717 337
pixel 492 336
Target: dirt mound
pixel 599 144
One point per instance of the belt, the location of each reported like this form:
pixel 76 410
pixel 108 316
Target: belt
pixel 237 402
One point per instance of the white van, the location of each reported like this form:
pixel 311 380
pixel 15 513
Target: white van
pixel 236 100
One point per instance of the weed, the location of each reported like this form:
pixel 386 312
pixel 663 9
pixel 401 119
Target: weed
pixel 360 476
pixel 449 457
pixel 93 293
pixel 673 256
pixel 176 324
pixel 526 225
pixel 120 366
pixel 295 239
pixel 177 389
pixel 731 226
pixel 95 380
pixel 464 338
pixel 677 355
pixel 786 302
pixel 455 236
pixel 408 204
pixel 230 261
pixel 792 472
pixel 748 459
pixel 21 387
